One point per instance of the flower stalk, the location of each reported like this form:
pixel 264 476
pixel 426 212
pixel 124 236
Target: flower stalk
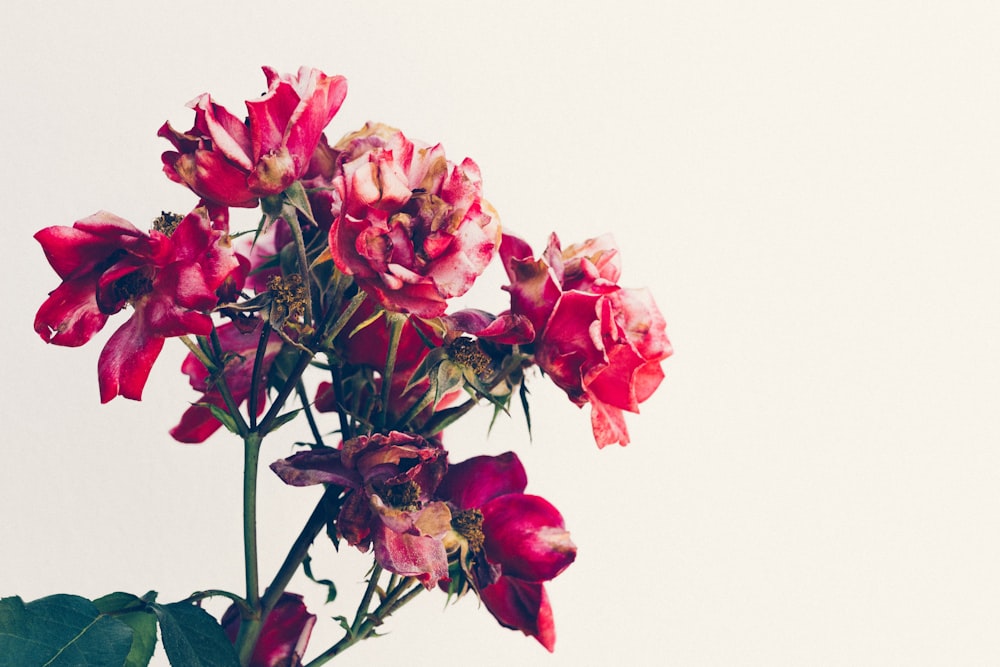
pixel 373 226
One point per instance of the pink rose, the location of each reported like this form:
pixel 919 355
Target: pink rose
pixel 600 343
pixel 413 228
pixel 224 160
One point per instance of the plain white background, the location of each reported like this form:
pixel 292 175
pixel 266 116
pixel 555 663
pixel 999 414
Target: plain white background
pixel 810 189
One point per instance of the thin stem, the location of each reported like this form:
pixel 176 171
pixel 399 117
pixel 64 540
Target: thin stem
pixel 220 383
pixel 393 602
pixel 326 506
pixel 300 248
pixel 197 352
pixel 300 389
pixel 366 601
pixel 278 403
pixel 258 372
pixel 416 408
pixel 343 319
pixel 337 387
pixel 395 322
pixel 216 593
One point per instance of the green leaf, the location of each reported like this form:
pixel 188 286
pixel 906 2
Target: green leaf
pixel 449 376
pixel 60 631
pixel 222 416
pixel 295 194
pixel 139 617
pixel 283 419
pixel 523 392
pixel 371 319
pixel 331 588
pixel 192 638
pixel 431 361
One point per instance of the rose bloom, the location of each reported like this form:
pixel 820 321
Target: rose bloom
pixel 600 343
pixel 392 478
pixel 413 228
pixel 522 537
pixel 168 276
pixel 284 637
pixel 224 160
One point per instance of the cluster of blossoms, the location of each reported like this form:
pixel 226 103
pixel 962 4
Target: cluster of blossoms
pixel 361 246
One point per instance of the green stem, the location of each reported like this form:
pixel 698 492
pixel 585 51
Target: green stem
pixel 395 599
pixel 250 627
pixel 300 389
pixel 366 601
pixel 337 386
pixel 300 247
pixel 258 371
pixel 395 323
pixel 220 383
pixel 326 506
pixel 416 409
pixel 197 352
pixel 343 319
pixel 278 403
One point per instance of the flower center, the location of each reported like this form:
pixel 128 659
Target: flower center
pixel 288 295
pixel 167 222
pixel 130 288
pixel 469 524
pixel 466 352
pixel 405 496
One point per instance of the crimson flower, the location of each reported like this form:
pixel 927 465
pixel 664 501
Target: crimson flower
pixel 224 160
pixel 239 350
pixel 413 228
pixel 169 276
pixel 523 538
pixel 600 343
pixel 285 634
pixel 391 480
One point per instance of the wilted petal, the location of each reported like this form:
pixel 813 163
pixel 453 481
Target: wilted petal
pixel 420 556
pixel 522 605
pixel 70 316
pixel 527 536
pixel 473 482
pixel 317 466
pixel 608 424
pixel 127 359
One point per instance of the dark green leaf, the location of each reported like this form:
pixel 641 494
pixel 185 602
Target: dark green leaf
pixel 192 638
pixel 136 614
pixel 60 631
pixel 331 588
pixel 523 392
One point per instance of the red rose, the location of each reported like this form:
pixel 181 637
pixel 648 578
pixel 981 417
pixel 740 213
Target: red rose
pixel 169 277
pixel 224 160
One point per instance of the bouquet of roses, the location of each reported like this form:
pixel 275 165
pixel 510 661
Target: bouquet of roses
pixel 348 276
